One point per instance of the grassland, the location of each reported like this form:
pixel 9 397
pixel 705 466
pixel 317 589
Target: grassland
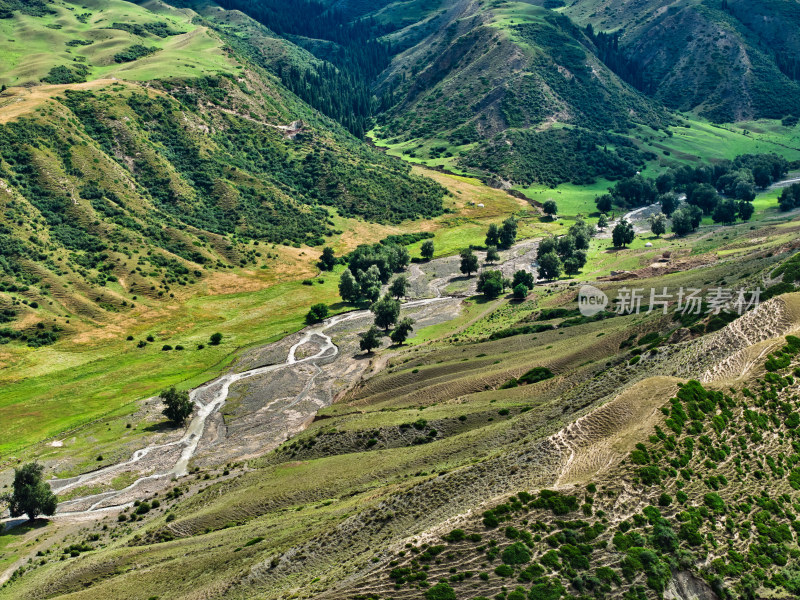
pixel 431 437
pixel 32 45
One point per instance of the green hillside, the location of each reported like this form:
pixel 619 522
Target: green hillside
pixel 351 238
pixel 121 198
pixel 729 60
pixel 427 479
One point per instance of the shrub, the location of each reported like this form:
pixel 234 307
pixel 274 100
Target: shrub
pixel 441 591
pixel 516 554
pixel 317 313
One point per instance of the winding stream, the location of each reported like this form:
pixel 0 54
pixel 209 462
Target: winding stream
pixel 209 397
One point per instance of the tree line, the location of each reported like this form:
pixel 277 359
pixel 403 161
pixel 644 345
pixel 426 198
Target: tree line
pixel 725 191
pixel 340 85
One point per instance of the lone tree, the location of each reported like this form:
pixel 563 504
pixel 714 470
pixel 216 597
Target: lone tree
pixel 602 222
pixel 370 339
pixel 550 208
pixel 493 235
pixel 328 260
pixel 317 313
pixel 215 339
pixel 386 311
pixel 658 224
pixel 399 286
pixel 492 255
pixel 622 234
pixel 469 262
pixel 427 249
pixel 400 333
pixel 349 289
pixel 31 495
pixel 177 407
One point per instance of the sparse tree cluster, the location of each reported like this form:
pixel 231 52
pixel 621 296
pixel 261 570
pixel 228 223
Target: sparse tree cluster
pixel 704 186
pixel 502 236
pixel 565 254
pixel 369 267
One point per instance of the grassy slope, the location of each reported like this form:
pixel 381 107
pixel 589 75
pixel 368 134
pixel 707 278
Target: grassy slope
pixel 195 52
pixel 93 370
pixel 326 485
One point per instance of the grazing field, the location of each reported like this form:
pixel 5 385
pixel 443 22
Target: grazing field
pixel 85 34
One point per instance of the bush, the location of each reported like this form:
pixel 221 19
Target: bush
pixel 135 52
pixel 215 339
pixel 441 591
pixel 317 313
pixel 516 554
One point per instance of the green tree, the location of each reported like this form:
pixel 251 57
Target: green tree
pixel 745 191
pixel 550 208
pixel 177 405
pixel 604 203
pixel 762 176
pixel 493 235
pixel 328 259
pixel 523 277
pixel 704 196
pixel 550 266
pixel 370 283
pixel 572 266
pixel 521 291
pixel 386 311
pixel 725 212
pixel 622 234
pixel 492 255
pixel 370 339
pixel 215 339
pixel 31 495
pixel 399 257
pixel 469 262
pixel 427 249
pixel 744 210
pixel 695 216
pixel 491 283
pixel 349 289
pixel 669 203
pixel 658 224
pixel 317 313
pixel 602 222
pixel 681 222
pixel 441 591
pixel 399 286
pixel 665 182
pixel 508 233
pixel 400 333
